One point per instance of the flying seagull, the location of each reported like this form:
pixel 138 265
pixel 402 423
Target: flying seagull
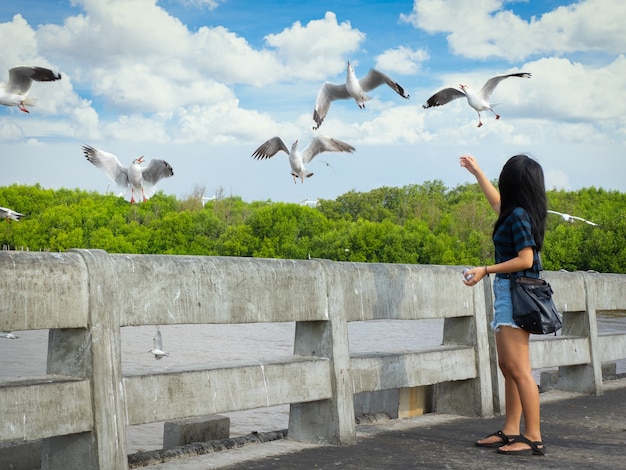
pixel 8 335
pixel 572 218
pixel 309 202
pixel 353 88
pixel 9 214
pixel 158 346
pixel 478 101
pixel 297 159
pixel 15 92
pixel 328 164
pixel 136 177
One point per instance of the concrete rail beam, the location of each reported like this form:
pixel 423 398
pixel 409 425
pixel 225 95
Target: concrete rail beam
pixel 176 395
pixel 81 409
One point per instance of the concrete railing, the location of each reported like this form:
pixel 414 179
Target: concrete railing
pixel 82 407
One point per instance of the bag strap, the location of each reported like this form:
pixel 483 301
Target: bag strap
pixel 539 264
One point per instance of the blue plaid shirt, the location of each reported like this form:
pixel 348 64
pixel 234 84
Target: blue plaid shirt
pixel 512 236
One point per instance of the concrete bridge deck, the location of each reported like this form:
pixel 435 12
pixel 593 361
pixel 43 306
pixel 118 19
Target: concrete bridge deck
pixel 580 432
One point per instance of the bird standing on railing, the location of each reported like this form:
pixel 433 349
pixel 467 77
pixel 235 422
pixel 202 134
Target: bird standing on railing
pixel 158 346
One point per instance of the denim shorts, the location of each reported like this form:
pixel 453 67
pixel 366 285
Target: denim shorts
pixel 502 305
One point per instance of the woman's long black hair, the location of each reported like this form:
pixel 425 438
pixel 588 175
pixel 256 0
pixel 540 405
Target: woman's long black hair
pixel 521 184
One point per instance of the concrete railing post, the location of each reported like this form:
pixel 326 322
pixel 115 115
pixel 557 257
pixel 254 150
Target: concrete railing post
pixel 329 421
pixel 94 353
pixel 469 397
pixel 583 378
pixel 69 353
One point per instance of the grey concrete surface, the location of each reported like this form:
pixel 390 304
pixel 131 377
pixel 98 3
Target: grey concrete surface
pixel 579 431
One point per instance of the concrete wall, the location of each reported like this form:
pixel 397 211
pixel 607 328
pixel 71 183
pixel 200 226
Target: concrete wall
pixel 81 408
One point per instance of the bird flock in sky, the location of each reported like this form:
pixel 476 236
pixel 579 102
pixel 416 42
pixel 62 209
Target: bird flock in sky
pixel 357 90
pixel 140 181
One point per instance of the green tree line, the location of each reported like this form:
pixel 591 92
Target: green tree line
pixel 425 224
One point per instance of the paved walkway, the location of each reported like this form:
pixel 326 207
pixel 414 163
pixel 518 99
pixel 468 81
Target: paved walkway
pixel 580 432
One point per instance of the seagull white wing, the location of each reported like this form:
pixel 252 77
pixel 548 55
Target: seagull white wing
pixel 375 78
pixel 158 341
pixel 492 83
pixel 583 220
pixel 443 97
pixel 321 144
pixel 565 217
pixel 21 77
pixel 269 148
pixel 327 94
pixel 108 163
pixel 156 171
pixel 5 212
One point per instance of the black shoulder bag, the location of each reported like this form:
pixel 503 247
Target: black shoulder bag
pixel 533 307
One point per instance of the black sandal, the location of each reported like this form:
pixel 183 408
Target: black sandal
pixel 504 440
pixel 533 449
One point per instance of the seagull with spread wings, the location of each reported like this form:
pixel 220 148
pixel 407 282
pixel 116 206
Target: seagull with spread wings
pixel 353 88
pixel 15 92
pixel 157 350
pixel 297 158
pixel 137 178
pixel 478 101
pixel 572 218
pixel 10 214
pixel 8 335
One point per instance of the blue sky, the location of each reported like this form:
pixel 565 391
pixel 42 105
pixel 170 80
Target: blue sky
pixel 202 83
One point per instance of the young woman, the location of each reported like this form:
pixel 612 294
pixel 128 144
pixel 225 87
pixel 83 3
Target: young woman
pixel 518 238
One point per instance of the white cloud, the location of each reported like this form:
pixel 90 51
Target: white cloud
pixel 23 41
pixel 210 4
pixel 9 131
pixel 483 29
pixel 223 123
pixel 402 60
pixel 225 56
pixel 570 91
pixel 134 87
pixel 138 129
pixel 318 49
pixel 400 124
pixel 84 123
pixel 113 32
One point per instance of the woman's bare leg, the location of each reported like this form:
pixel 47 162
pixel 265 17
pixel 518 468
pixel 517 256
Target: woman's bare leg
pixel 513 404
pixel 514 360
